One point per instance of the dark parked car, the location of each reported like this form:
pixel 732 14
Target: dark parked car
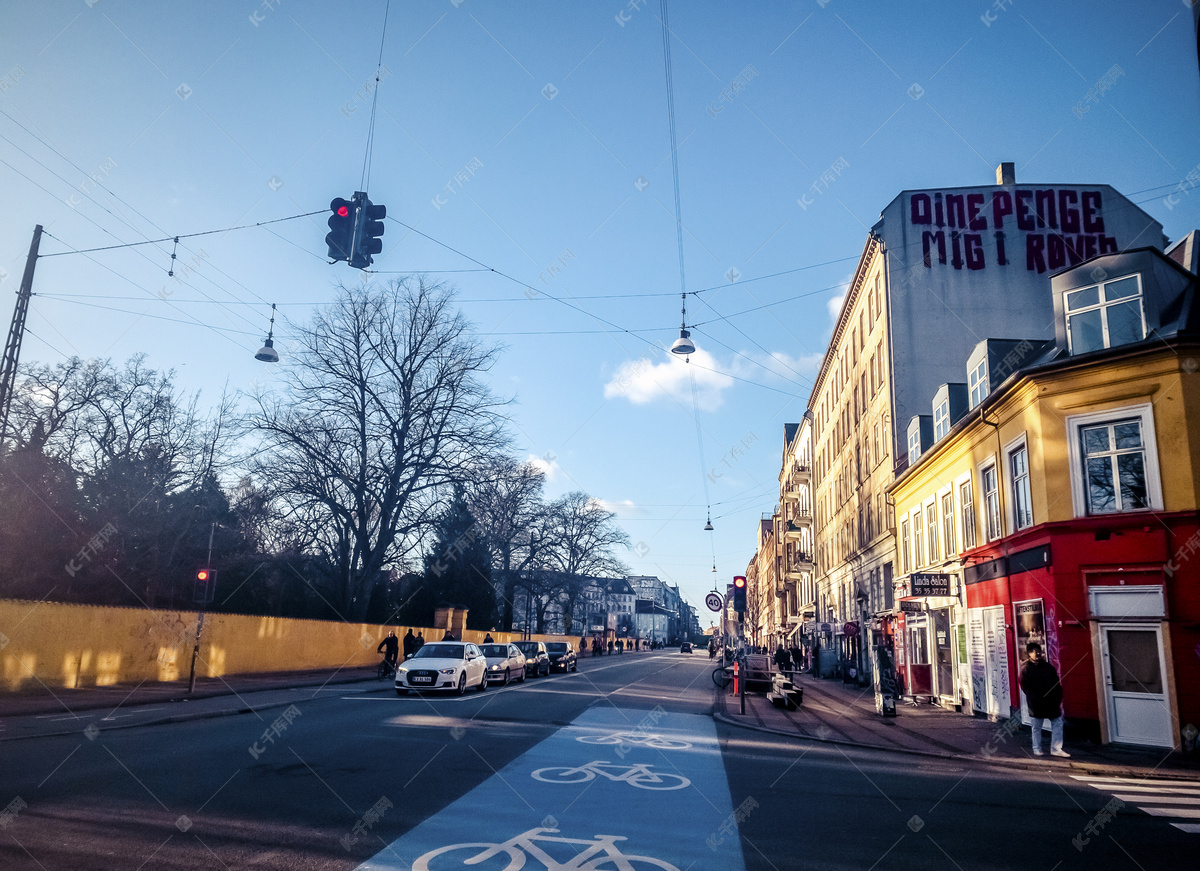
pixel 562 655
pixel 686 647
pixel 537 660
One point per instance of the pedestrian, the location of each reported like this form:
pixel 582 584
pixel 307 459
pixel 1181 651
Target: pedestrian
pixel 449 636
pixel 410 644
pixel 783 659
pixel 1043 694
pixel 610 647
pixel 797 657
pixel 488 639
pixel 420 641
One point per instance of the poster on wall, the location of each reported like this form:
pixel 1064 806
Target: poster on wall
pixel 978 661
pixel 1030 622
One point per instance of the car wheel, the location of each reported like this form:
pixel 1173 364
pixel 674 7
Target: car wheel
pixel 507 677
pixel 482 681
pixel 462 684
pixel 574 666
pixel 524 674
pixel 547 674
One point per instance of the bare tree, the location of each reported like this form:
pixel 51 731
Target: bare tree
pixel 381 412
pixel 582 538
pixel 505 497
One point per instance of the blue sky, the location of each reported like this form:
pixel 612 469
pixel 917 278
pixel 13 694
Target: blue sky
pixel 533 137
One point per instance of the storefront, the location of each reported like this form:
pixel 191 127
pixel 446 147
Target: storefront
pixel 931 638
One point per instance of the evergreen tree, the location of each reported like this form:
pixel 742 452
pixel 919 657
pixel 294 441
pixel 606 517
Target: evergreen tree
pixel 458 570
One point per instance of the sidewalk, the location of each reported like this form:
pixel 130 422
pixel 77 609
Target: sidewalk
pixel 42 699
pixel 845 714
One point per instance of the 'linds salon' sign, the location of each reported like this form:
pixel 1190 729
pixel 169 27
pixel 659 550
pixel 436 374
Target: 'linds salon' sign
pixel 1048 228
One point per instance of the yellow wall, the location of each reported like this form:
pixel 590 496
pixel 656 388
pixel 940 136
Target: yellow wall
pixel 62 645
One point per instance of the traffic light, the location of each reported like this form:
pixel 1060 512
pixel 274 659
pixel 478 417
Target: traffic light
pixel 341 229
pixel 370 228
pixel 206 584
pixel 739 594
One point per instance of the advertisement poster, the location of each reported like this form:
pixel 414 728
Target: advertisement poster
pixel 1030 622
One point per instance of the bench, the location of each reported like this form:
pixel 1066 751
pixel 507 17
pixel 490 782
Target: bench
pixel 785 694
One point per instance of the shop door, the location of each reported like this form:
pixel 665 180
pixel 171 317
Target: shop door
pixel 1135 685
pixel 943 651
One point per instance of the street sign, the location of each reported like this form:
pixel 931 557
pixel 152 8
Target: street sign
pixel 929 584
pixel 714 601
pixel 911 605
pixel 850 630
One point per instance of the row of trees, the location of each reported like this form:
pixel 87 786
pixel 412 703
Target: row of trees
pixel 373 480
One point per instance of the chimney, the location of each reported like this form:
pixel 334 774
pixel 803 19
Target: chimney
pixel 1006 174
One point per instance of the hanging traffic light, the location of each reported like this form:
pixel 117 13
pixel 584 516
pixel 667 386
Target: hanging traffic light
pixel 739 594
pixel 206 584
pixel 341 229
pixel 370 228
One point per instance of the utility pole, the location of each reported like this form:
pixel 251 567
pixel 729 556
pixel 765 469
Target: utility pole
pixel 12 348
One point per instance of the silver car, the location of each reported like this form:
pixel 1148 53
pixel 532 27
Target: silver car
pixel 504 662
pixel 450 665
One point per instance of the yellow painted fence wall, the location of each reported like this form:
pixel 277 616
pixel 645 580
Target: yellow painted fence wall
pixel 61 645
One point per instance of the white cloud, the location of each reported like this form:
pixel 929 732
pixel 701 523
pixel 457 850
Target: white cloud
pixel 835 305
pixel 623 508
pixel 777 363
pixel 547 464
pixel 642 381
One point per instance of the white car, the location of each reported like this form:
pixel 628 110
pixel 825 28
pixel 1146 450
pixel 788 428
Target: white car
pixel 504 661
pixel 452 665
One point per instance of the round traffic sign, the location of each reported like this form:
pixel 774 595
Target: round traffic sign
pixel 714 601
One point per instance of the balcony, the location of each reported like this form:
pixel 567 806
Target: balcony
pixel 800 521
pixel 796 564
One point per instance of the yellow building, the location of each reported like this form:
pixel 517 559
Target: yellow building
pixel 1061 508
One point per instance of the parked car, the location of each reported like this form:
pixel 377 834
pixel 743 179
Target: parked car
pixel 537 660
pixel 503 662
pixel 686 647
pixel 562 655
pixel 452 665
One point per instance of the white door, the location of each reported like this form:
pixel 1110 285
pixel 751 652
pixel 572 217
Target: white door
pixel 1135 684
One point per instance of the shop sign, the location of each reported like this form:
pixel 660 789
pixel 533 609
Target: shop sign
pixel 911 605
pixel 850 630
pixel 930 583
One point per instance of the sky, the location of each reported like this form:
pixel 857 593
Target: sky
pixel 532 139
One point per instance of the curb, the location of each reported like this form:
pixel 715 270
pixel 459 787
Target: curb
pixel 1098 768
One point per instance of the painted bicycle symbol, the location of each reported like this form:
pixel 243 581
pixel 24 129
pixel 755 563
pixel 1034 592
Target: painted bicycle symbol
pixel 635 775
pixel 655 742
pixel 601 854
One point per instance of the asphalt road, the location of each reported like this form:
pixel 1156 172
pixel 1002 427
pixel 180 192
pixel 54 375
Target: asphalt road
pixel 574 771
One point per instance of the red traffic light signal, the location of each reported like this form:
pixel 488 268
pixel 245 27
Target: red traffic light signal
pixel 739 594
pixel 206 585
pixel 202 575
pixel 341 229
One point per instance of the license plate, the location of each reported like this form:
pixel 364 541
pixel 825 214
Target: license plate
pixel 421 679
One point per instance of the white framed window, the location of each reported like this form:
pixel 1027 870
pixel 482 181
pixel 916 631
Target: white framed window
pixel 978 382
pixel 1105 315
pixel 914 446
pixel 918 554
pixel 1114 461
pixel 966 507
pixel 990 482
pixel 1020 501
pixel 931 531
pixel 947 500
pixel 941 420
pixel 905 567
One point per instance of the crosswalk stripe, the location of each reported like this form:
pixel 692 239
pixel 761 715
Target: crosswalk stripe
pixel 1145 790
pixel 1186 813
pixel 1190 828
pixel 1163 799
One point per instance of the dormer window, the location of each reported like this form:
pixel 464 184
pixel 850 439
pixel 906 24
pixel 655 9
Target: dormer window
pixel 1105 315
pixel 979 382
pixel 914 446
pixel 941 420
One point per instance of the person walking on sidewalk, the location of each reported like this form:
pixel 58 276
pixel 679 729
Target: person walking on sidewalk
pixel 783 659
pixel 410 644
pixel 1043 692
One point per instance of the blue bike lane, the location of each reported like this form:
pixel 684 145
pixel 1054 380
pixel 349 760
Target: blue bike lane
pixel 646 785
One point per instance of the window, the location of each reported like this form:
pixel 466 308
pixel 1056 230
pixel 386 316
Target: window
pixel 1114 458
pixel 979 385
pixel 917 554
pixel 1018 468
pixel 968 514
pixel 904 568
pixel 1105 315
pixel 991 501
pixel 948 524
pixel 941 420
pixel 914 446
pixel 931 531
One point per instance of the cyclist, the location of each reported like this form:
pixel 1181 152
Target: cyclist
pixel 390 648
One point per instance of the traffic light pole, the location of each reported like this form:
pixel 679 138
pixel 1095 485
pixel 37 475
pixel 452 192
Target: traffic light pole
pixel 12 348
pixel 200 619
